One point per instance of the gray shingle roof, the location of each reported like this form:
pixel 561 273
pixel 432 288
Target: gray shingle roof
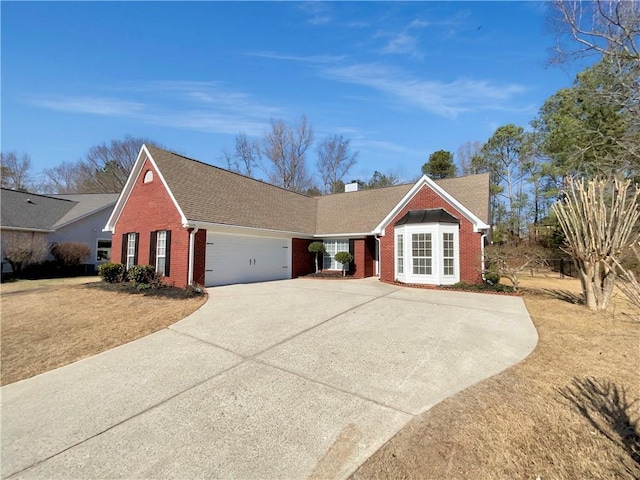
pixel 210 194
pixel 87 203
pixel 31 211
pixel 472 191
pixel 357 212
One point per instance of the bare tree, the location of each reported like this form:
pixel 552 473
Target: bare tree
pixel 16 171
pixel 466 154
pixel 106 167
pixel 611 30
pixel 608 28
pixel 285 148
pixel 511 261
pixel 599 219
pixel 65 178
pixel 627 281
pixel 334 161
pixel 20 249
pixel 245 157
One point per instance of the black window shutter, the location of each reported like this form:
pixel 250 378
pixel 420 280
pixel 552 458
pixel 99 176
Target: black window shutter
pixel 167 260
pixel 123 254
pixel 352 251
pixel 135 255
pixel 153 239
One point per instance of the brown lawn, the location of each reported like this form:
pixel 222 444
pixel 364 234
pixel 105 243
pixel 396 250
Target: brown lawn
pixel 50 323
pixel 570 410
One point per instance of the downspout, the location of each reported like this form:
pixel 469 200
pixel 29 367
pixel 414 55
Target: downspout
pixel 379 257
pixel 192 244
pixel 482 266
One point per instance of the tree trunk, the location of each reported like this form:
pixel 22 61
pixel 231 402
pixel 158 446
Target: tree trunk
pixel 585 273
pixel 597 282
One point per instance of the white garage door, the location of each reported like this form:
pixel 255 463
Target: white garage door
pixel 244 259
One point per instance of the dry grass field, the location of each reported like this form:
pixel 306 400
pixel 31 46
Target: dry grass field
pixel 50 323
pixel 570 410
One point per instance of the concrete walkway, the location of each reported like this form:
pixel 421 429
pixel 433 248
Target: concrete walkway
pixel 291 379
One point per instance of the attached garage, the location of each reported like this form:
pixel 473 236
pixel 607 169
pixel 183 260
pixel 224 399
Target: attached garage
pixel 246 258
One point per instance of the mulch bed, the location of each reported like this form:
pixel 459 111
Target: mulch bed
pixel 328 276
pixel 166 291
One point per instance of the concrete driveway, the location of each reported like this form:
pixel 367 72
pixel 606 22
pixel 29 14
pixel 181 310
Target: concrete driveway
pixel 291 379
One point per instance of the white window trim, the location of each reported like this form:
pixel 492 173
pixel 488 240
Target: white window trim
pixel 437 276
pixel 131 250
pixel 161 235
pixel 329 254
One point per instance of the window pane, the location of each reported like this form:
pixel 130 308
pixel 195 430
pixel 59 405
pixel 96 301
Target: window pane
pixel 447 254
pixel 161 251
pixel 421 250
pixel 131 250
pixel 400 254
pixel 332 247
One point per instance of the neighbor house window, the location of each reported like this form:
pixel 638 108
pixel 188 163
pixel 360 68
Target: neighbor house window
pixel 400 254
pixel 103 250
pixel 160 247
pixel 332 247
pixel 421 253
pixel 447 254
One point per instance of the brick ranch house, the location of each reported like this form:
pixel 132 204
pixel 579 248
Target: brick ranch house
pixel 202 224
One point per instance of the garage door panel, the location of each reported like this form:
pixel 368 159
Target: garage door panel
pixel 244 259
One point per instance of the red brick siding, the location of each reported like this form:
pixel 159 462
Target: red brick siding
pixel 302 261
pixel 358 265
pixel 150 208
pixel 470 250
pixel 363 264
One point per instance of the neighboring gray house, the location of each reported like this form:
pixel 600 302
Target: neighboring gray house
pixel 61 218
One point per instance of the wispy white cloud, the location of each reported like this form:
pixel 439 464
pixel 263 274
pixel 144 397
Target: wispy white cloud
pixel 202 106
pixel 402 43
pixel 368 144
pixel 318 13
pixel 207 121
pixel 310 59
pixel 446 99
pixel 406 41
pixel 87 104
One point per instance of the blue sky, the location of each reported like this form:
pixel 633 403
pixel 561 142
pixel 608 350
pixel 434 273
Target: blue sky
pixel 401 80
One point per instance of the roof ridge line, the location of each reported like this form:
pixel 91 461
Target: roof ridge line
pixel 230 171
pixel 38 195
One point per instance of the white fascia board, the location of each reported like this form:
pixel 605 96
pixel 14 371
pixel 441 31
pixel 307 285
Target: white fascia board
pixel 478 224
pixel 128 187
pixel 240 230
pixel 345 235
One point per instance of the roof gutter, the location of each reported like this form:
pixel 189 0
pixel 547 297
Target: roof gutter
pixel 243 230
pixel 23 229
